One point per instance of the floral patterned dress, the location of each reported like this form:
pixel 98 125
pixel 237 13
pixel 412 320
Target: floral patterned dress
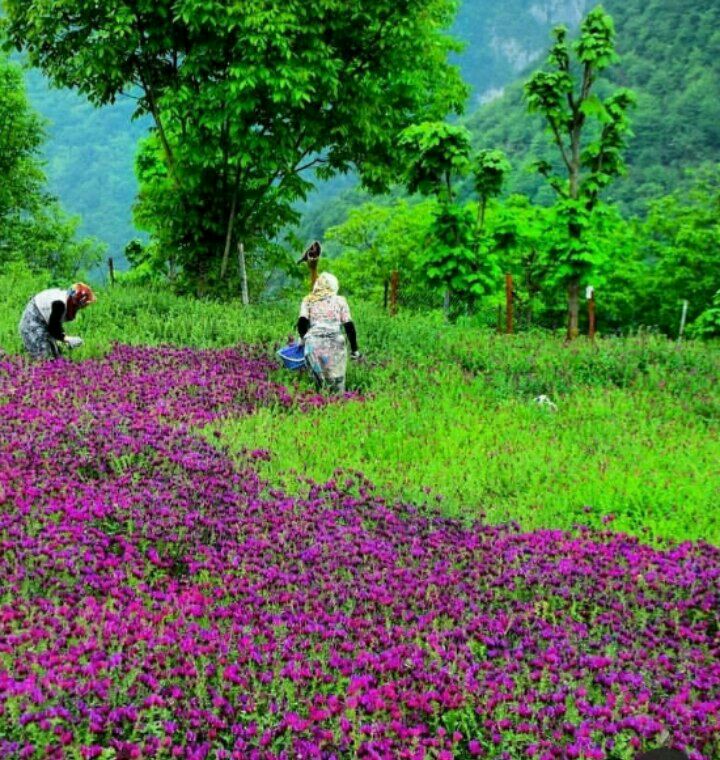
pixel 324 342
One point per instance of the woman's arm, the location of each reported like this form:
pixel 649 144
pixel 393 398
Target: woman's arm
pixel 55 327
pixel 303 326
pixel 352 335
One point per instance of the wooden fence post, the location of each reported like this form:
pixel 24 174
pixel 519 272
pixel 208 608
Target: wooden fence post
pixel 111 268
pixel 243 275
pixel 313 264
pixel 683 318
pixel 394 287
pixel 508 304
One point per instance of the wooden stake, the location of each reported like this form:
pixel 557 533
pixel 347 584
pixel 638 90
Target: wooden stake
pixel 394 287
pixel 312 263
pixel 508 304
pixel 243 275
pixel 111 267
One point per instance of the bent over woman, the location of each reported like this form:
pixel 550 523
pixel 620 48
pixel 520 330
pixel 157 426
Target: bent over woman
pixel 322 314
pixel 41 326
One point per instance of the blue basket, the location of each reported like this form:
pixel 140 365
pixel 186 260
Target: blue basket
pixel 293 356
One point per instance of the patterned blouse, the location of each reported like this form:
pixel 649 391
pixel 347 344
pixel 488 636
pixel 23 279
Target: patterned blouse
pixel 327 315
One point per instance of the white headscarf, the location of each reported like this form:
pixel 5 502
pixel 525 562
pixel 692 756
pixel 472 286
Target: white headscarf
pixel 325 286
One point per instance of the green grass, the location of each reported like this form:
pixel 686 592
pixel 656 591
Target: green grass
pixel 449 412
pixel 635 455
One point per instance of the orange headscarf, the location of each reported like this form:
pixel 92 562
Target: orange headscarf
pixel 80 295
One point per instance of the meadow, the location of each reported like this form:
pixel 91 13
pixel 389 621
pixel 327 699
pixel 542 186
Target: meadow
pixel 203 558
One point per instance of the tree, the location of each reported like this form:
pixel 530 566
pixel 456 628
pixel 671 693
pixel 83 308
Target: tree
pixel 22 190
pixel 489 172
pixel 247 98
pixel 34 229
pixel 437 156
pixel 590 162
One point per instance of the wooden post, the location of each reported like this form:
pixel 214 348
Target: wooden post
pixel 508 304
pixel 394 287
pixel 590 295
pixel 386 286
pixel 243 275
pixel 312 263
pixel 111 267
pixel 683 317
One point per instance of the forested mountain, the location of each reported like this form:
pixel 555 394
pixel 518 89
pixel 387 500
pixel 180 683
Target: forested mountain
pixel 90 154
pixel 670 56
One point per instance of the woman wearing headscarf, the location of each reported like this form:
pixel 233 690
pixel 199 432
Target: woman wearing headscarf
pixel 322 315
pixel 41 326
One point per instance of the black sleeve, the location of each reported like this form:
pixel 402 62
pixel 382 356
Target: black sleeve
pixel 303 326
pixel 352 335
pixel 55 327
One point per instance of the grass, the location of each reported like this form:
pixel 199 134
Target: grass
pixel 449 412
pixel 632 455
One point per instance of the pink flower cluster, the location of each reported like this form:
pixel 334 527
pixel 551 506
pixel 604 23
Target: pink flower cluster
pixel 159 600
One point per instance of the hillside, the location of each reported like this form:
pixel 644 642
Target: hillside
pixel 670 56
pixel 90 154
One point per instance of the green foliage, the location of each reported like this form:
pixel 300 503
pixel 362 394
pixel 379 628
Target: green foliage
pixel 707 325
pixel 245 99
pixel 33 227
pixel 436 154
pixel 490 168
pixel 377 240
pixel 682 238
pixel 454 259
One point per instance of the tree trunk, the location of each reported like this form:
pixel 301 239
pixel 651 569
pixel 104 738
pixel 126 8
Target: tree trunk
pixel 243 275
pixel 573 308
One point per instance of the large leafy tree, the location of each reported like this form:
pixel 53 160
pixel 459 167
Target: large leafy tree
pixel 33 228
pixel 248 97
pixel 590 134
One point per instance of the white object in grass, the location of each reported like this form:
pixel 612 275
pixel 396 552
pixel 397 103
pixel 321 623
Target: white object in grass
pixel 545 401
pixel 73 341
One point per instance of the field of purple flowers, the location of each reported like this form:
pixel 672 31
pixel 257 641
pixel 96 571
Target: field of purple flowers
pixel 158 600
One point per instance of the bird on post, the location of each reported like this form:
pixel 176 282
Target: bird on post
pixel 312 254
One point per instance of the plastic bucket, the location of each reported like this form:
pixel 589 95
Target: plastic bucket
pixel 293 356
